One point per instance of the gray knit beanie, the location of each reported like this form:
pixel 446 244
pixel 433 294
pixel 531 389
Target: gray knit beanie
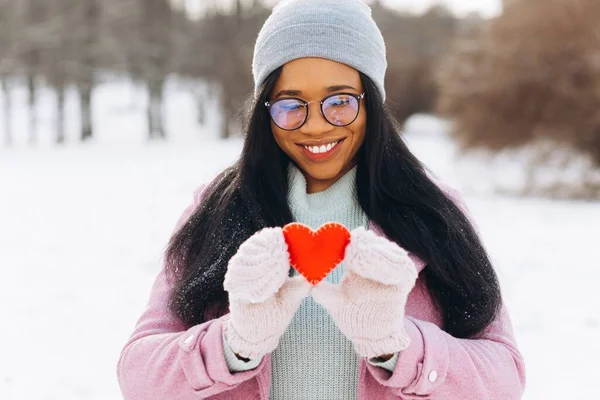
pixel 337 30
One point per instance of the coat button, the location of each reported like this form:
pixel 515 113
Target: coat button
pixel 189 339
pixel 432 376
pixel 189 342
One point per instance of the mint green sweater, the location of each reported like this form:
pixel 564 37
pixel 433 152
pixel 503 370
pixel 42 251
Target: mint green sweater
pixel 314 360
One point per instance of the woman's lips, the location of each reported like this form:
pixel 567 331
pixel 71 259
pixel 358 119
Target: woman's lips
pixel 322 156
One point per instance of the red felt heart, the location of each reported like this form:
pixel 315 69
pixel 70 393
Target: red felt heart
pixel 316 254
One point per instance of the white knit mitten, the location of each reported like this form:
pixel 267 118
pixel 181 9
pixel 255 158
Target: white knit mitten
pixel 368 304
pixel 262 297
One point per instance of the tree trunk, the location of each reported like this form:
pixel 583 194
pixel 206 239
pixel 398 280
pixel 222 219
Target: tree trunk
pixel 31 103
pixel 155 109
pixel 226 115
pixel 8 138
pixel 239 9
pixel 226 122
pixel 85 101
pixel 88 41
pixel 60 115
pixel 201 108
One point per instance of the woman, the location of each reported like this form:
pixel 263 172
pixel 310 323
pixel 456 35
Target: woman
pixel 413 312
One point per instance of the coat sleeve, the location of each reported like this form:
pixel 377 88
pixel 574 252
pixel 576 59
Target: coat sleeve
pixel 162 360
pixel 439 366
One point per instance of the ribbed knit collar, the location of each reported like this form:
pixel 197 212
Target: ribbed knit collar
pixel 340 195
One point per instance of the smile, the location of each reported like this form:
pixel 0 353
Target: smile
pixel 323 152
pixel 321 149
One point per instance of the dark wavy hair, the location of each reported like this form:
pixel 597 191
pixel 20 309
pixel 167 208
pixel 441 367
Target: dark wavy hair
pixel 393 189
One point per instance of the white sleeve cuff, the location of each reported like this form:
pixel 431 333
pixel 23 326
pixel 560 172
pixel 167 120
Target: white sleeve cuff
pixel 234 363
pixel 390 364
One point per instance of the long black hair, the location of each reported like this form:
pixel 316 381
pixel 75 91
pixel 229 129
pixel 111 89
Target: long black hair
pixel 393 190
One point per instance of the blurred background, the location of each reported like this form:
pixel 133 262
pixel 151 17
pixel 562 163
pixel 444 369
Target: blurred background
pixel 113 112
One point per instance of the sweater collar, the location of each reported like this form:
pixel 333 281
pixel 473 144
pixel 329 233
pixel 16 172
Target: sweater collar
pixel 341 194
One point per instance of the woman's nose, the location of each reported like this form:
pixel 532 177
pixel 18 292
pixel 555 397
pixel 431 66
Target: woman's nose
pixel 315 122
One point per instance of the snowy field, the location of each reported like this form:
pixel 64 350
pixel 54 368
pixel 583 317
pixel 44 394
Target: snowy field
pixel 82 230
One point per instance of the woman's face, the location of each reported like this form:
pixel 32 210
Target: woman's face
pixel 312 79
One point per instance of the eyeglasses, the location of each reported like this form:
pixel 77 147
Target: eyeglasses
pixel 339 109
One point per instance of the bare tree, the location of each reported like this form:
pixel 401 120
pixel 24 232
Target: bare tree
pixel 57 59
pixel 223 49
pixel 86 54
pixel 61 43
pixel 149 56
pixel 7 32
pixel 7 111
pixel 37 34
pixel 415 45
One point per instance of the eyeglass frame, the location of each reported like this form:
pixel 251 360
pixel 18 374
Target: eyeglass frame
pixel 358 97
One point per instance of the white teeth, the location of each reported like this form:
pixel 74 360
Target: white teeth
pixel 322 149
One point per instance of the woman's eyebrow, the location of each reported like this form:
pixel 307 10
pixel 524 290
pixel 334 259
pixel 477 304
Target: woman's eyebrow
pixel 336 88
pixel 288 93
pixel 329 89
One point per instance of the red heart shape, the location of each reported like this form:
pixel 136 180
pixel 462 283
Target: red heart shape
pixel 316 254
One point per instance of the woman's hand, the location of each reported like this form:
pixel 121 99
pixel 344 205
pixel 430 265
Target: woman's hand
pixel 368 304
pixel 262 297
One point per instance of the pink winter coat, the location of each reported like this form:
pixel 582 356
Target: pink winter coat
pixel 166 360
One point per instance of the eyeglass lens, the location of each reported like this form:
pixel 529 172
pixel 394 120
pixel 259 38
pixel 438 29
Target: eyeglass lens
pixel 338 110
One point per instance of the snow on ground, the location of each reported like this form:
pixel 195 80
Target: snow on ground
pixel 82 230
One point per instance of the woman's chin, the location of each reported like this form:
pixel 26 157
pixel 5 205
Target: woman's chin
pixel 324 172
